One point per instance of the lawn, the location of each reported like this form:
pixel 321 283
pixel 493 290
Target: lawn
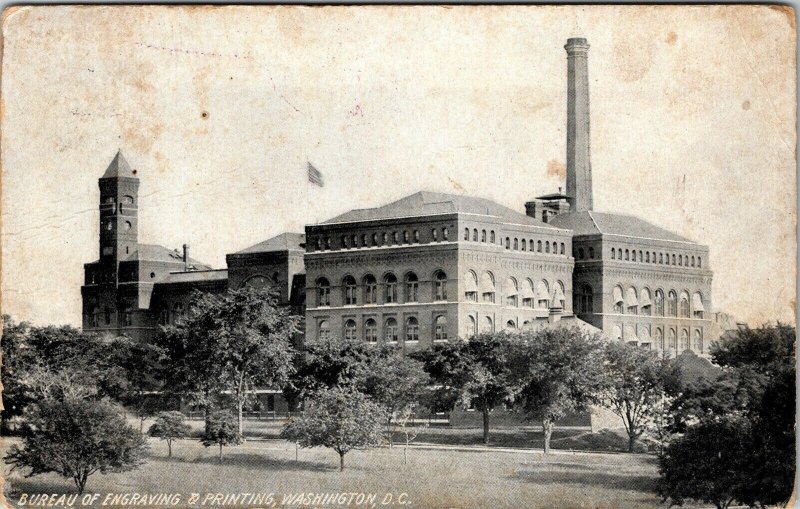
pixel 431 478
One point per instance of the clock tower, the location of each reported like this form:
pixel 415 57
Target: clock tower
pixel 119 202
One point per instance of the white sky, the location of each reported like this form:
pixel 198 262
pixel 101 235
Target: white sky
pixel 693 112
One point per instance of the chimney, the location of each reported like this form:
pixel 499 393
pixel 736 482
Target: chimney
pixel 579 165
pixel 186 257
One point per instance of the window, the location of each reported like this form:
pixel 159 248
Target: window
pixel 562 248
pixel 390 289
pixel 528 295
pixel 405 236
pixel 487 325
pixel 680 260
pixel 491 236
pixel 466 233
pixel 110 200
pixel 370 289
pixel 440 286
pixel 374 239
pixel 390 331
pixel 412 287
pixel 542 295
pixel 618 300
pixel 584 299
pixel 591 253
pixel 684 305
pixel 672 303
pixel 632 301
pixel 127 319
pixel 516 244
pixel 323 292
pixel 645 305
pixel 659 302
pixel 470 286
pixel 412 329
pixel 487 287
pixel 354 241
pixel 394 238
pixel 177 312
pixel 538 246
pixel 95 317
pixel 349 285
pixel 163 318
pixel 524 245
pixel 510 325
pixel 699 262
pixel 363 240
pixel 692 261
pixel 370 331
pixel 661 258
pixel 435 234
pixel 673 339
pixel 698 340
pixel 580 253
pixel 483 235
pixel 616 333
pixel 647 257
pixel 673 259
pixel 475 235
pixel 444 233
pixel 613 253
pixel 385 238
pixel 127 199
pixel 684 344
pixel 633 259
pixel 697 305
pixel 627 255
pixel 327 242
pixel 508 243
pixel 440 329
pixel 324 331
pixel 350 330
pixel 343 240
pixel 471 327
pixel 659 337
pixel 416 235
pixel 546 247
pixel 511 290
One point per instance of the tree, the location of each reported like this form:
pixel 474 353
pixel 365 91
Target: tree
pixel 222 429
pixel 555 372
pixel 707 464
pixel 169 426
pixel 633 387
pixel 341 419
pixel 395 382
pixel 408 427
pixel 474 370
pixel 232 342
pixel 76 438
pixel 143 376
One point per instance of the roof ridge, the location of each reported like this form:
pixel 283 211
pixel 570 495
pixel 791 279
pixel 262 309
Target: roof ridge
pixel 594 222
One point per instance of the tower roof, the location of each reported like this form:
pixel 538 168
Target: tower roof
pixel 119 167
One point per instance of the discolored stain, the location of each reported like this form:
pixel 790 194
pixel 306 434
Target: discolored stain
pixel 746 105
pixel 204 115
pixel 556 169
pixel 672 38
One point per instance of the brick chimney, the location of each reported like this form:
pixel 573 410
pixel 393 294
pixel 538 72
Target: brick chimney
pixel 186 257
pixel 579 165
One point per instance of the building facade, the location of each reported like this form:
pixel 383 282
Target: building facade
pixel 430 267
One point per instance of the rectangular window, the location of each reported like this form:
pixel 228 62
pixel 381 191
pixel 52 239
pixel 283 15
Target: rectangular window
pixel 471 296
pixel 411 291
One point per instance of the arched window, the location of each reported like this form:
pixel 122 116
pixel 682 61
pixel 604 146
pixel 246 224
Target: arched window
pixel 645 304
pixel 542 295
pixel 680 260
pixel 524 245
pixel 412 287
pixel 630 334
pixel 343 241
pixel 698 340
pixel 475 235
pixel 95 317
pixel 528 294
pixel 618 300
pixel 406 237
pixel 697 305
pixel 324 331
pixel 559 299
pixel 659 338
pixel 673 259
pixel 511 291
pixel 374 239
pixel 164 317
pixel 370 331
pixel 699 262
pixel 471 327
pixel 562 248
pixel 661 258
pixel 584 299
pixel 350 330
pixel 632 301
pixel 673 340
pixel 390 330
pixel 440 328
pixel 370 289
pixel 470 286
pixel 684 305
pixel 444 233
pixel 487 325
pixel 627 255
pixel 647 257
pixel 385 238
pixel 390 288
pixel 580 253
pixel 591 253
pixel 491 237
pixel 416 235
pixel 395 237
pixel 412 329
pixel 616 333
pixel 487 287
pixel 435 234
pixel 466 233
pixel 546 247
pixel 613 253
pixel 440 285
pixel 363 240
pixel 659 303
pixel 349 289
pixel 516 244
pixel 644 336
pixel 633 258
pixel 508 243
pixel 672 303
pixel 538 246
pixel 692 261
pixel 510 325
pixel 483 235
pixel 684 344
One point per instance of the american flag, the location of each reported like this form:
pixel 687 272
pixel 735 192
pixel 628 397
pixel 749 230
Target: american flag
pixel 314 175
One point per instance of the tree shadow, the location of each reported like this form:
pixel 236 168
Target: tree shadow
pixel 254 461
pixel 641 483
pixel 35 485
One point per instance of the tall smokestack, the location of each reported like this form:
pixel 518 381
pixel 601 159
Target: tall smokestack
pixel 186 257
pixel 579 164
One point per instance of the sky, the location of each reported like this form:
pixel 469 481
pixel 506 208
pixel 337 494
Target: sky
pixel 219 109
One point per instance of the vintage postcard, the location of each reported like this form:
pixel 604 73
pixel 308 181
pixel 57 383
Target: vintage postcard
pixel 444 257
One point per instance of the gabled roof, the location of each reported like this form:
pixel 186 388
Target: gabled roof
pixel 283 242
pixel 425 203
pixel 593 223
pixel 119 167
pixel 156 253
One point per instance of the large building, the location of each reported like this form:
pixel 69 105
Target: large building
pixel 430 267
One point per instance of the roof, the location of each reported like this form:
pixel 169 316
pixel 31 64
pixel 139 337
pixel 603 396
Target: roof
pixel 156 253
pixel 195 276
pixel 119 167
pixel 283 242
pixel 424 203
pixel 592 223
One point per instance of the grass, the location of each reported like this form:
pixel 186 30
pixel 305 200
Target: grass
pixel 431 478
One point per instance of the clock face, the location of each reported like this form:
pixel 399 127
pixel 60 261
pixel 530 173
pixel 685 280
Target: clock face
pixel 257 282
